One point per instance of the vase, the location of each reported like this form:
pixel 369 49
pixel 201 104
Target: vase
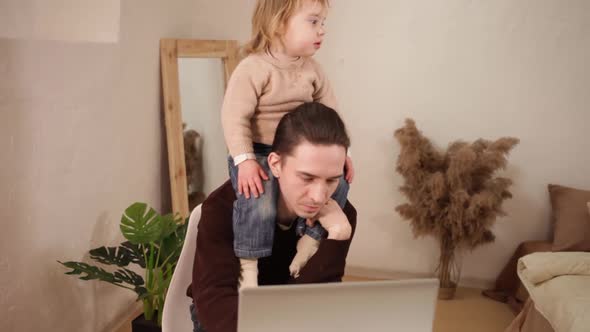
pixel 449 269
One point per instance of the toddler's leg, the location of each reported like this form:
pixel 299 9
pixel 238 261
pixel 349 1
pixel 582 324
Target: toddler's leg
pixel 248 273
pixel 253 225
pixel 306 247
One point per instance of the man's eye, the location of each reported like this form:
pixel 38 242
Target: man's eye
pixel 307 180
pixel 314 22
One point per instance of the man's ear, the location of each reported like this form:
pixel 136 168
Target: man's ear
pixel 274 163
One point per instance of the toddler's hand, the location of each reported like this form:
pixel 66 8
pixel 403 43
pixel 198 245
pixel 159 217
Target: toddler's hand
pixel 249 178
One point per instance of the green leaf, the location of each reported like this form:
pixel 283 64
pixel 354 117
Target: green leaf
pixel 119 256
pixel 129 277
pixel 182 229
pixel 169 225
pixel 135 253
pixel 89 272
pixel 141 225
pixel 172 245
pixel 142 293
pixel 171 248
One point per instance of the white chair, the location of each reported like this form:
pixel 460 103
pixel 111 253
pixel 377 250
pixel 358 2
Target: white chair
pixel 176 316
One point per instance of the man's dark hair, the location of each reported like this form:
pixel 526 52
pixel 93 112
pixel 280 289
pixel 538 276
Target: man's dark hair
pixel 313 122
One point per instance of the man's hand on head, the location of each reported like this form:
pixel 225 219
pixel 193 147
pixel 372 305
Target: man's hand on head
pixel 333 219
pixel 348 170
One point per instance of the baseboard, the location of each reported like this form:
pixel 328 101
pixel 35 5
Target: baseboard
pixel 476 283
pixel 358 271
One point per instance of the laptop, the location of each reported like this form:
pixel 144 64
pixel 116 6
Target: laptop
pixel 368 306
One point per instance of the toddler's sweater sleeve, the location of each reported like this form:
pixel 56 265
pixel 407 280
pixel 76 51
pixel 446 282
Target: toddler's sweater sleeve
pixel 239 104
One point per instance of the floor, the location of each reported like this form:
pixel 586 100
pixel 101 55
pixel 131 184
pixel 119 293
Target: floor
pixel 469 311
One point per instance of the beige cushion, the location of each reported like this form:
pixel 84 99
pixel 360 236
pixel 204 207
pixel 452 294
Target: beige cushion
pixel 571 220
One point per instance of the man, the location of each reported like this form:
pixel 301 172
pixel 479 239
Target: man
pixel 307 161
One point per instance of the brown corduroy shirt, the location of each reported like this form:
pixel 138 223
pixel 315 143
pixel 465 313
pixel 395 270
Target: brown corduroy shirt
pixel 216 269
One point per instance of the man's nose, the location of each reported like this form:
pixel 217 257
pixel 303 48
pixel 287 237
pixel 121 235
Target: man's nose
pixel 322 31
pixel 318 193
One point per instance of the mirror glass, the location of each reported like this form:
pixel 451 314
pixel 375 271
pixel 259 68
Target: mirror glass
pixel 201 85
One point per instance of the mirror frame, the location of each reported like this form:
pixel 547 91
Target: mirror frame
pixel 170 51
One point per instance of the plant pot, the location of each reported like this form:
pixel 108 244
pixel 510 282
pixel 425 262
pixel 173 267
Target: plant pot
pixel 140 324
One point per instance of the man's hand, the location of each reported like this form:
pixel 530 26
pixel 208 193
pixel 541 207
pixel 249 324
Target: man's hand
pixel 349 170
pixel 333 219
pixel 250 175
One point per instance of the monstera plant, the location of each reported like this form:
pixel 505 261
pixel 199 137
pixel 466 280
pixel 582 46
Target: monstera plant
pixel 154 243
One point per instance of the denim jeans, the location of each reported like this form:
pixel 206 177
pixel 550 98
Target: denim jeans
pixel 254 219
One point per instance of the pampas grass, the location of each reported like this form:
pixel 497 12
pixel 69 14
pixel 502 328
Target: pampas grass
pixel 453 195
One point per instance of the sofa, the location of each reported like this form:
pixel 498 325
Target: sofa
pixel 550 269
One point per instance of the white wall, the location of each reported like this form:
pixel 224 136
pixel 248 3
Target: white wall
pixel 82 137
pixel 65 20
pixel 463 70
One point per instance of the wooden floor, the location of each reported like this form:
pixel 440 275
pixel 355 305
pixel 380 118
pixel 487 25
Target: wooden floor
pixel 469 311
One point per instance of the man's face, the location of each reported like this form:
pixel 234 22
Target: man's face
pixel 308 177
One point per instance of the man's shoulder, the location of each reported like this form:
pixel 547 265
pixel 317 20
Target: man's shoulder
pixel 350 212
pixel 219 202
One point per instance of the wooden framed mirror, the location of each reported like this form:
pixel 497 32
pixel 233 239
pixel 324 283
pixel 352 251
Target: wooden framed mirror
pixel 194 77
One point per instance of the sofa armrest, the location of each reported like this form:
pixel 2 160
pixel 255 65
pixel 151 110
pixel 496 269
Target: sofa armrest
pixel 508 278
pixel 529 247
pixel 508 287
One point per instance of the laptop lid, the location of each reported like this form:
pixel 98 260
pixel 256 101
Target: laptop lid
pixel 375 306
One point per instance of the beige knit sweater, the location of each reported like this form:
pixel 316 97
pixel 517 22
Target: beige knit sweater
pixel 261 90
